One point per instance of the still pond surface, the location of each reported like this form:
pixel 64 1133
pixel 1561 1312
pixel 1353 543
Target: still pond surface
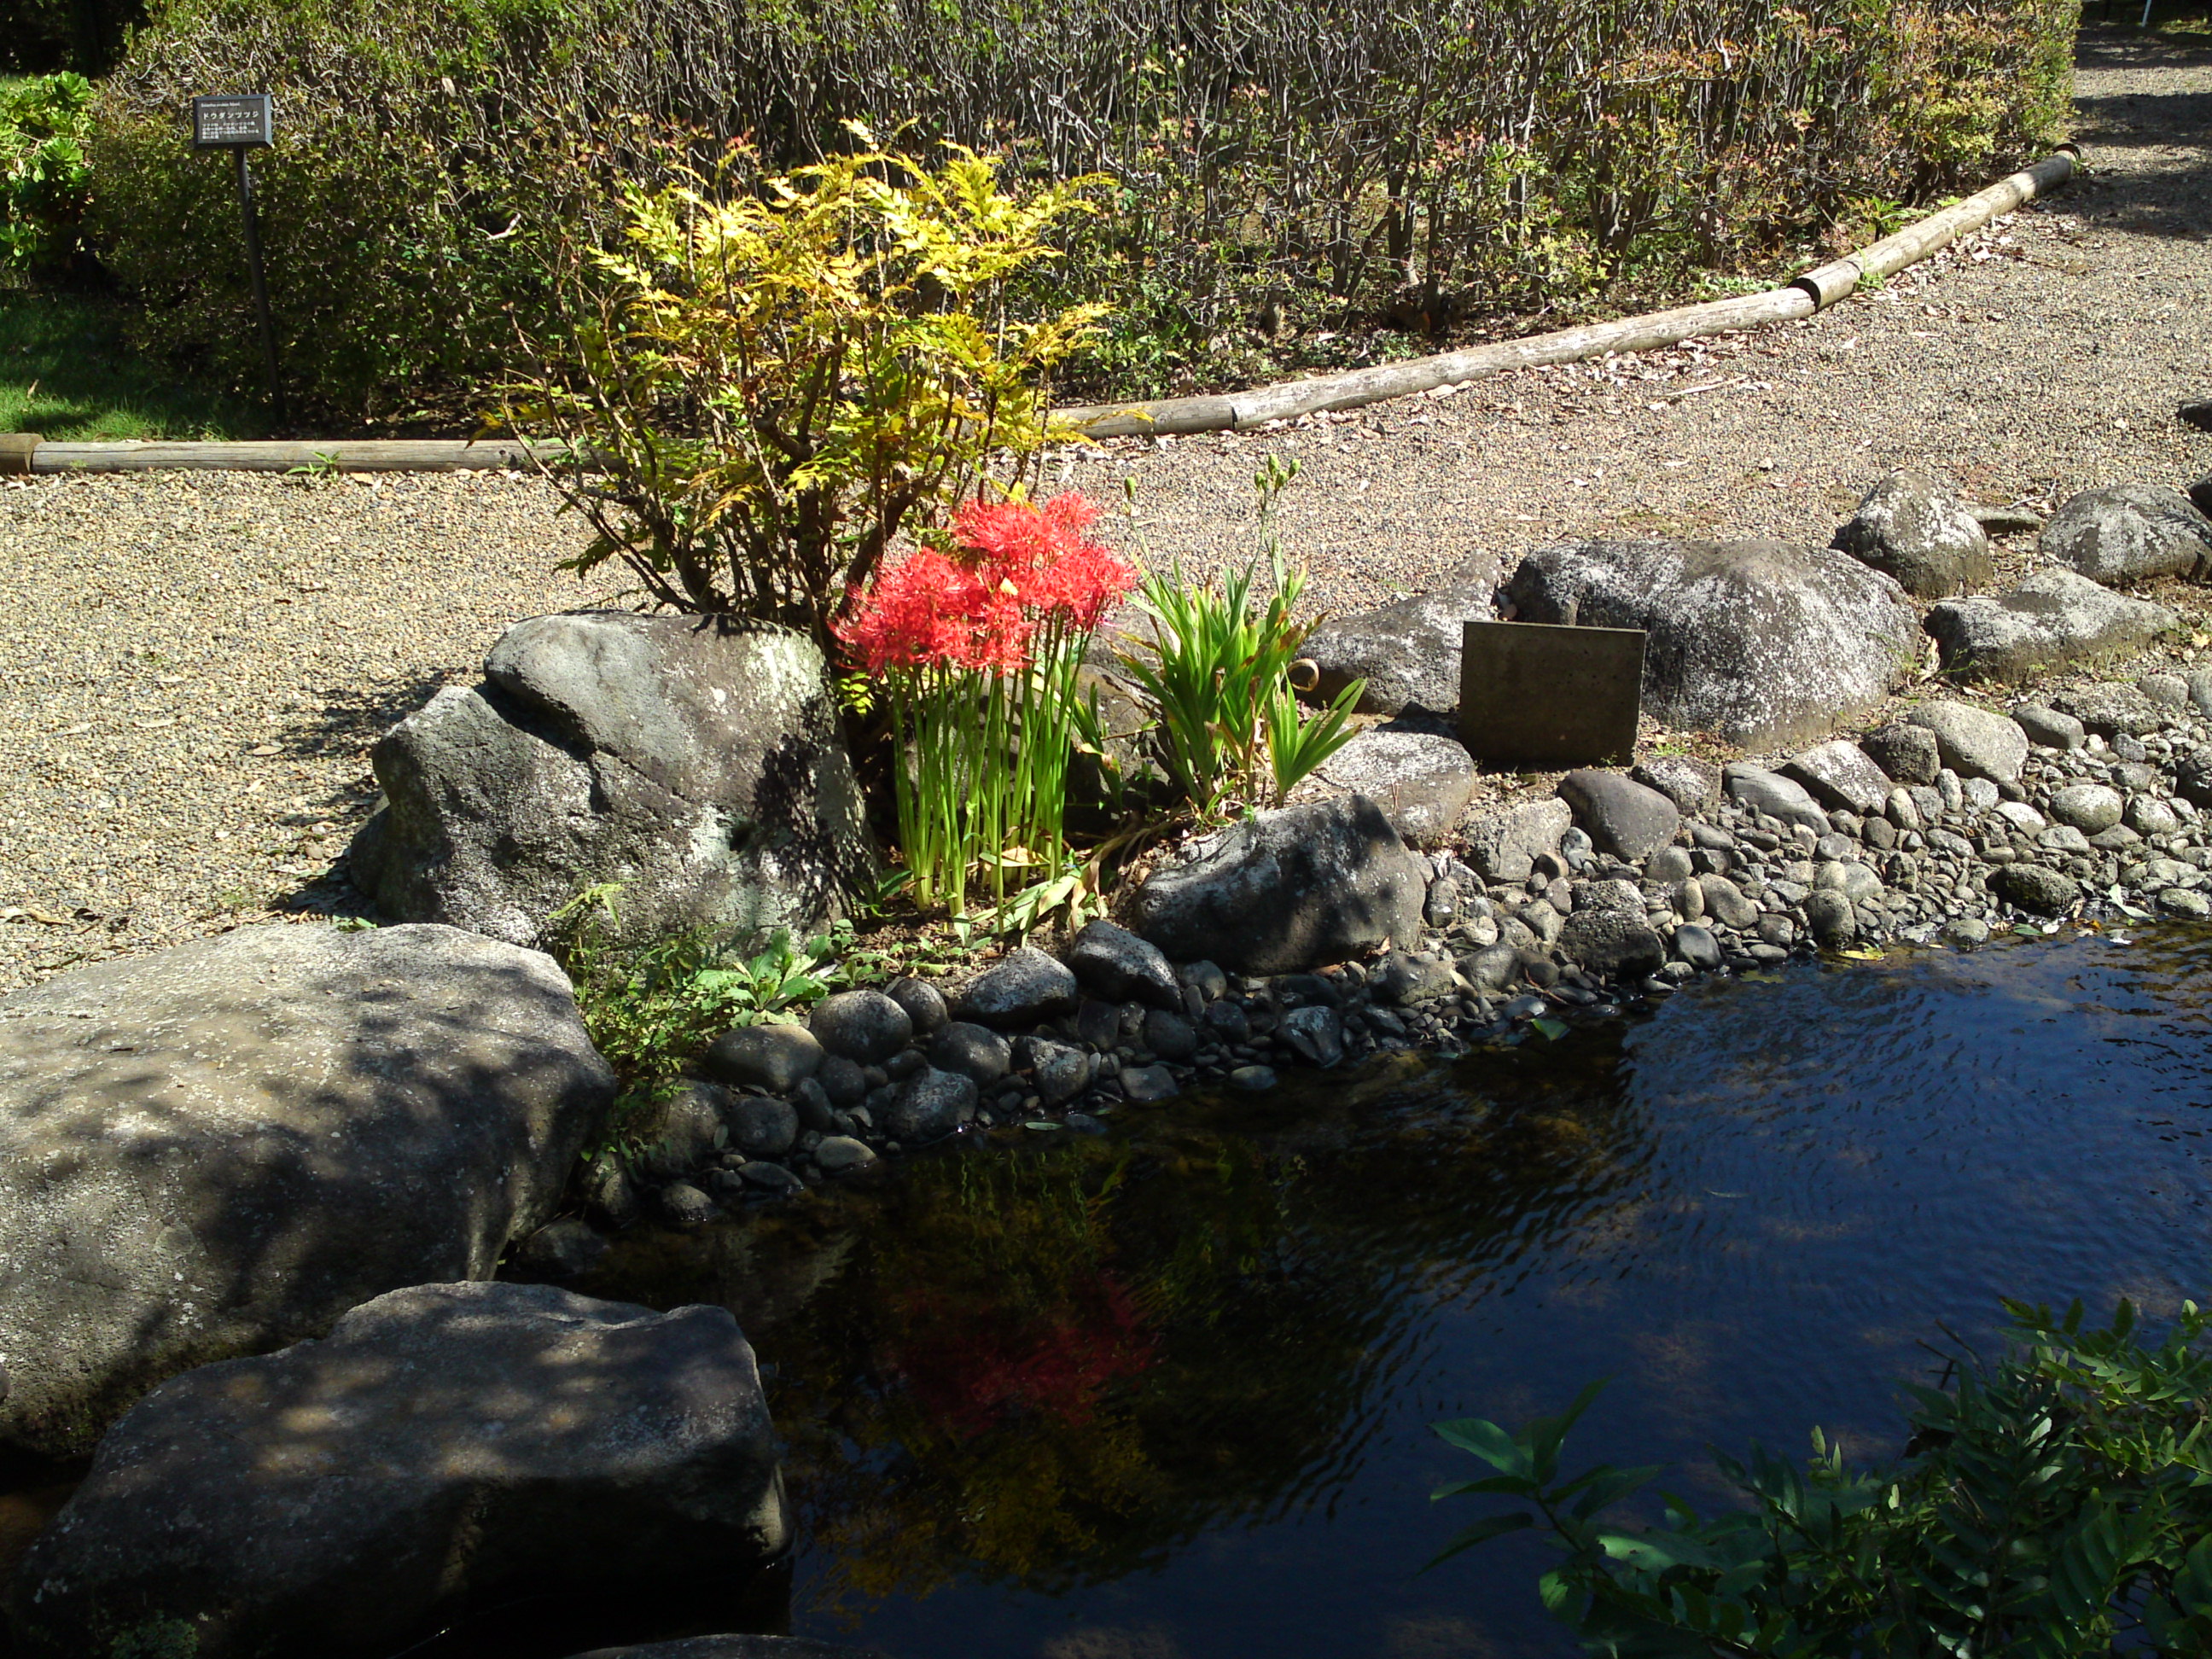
pixel 1164 1393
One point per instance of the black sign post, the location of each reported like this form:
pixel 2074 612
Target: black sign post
pixel 238 123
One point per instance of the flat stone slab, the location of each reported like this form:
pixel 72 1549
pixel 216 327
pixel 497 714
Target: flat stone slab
pixel 445 1444
pixel 2055 617
pixel 1535 694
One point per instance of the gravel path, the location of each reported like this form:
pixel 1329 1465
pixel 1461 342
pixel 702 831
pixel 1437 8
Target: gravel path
pixel 199 663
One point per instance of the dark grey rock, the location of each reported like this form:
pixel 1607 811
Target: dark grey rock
pixel 812 1103
pixel 1027 987
pixel 1912 528
pixel 1780 930
pixel 1421 780
pixel 1206 979
pixel 1252 1079
pixel 1227 1022
pixel 843 1082
pixel 1775 795
pixel 1060 1071
pixel 1725 902
pixel 1171 1035
pixel 1505 845
pixel 2170 690
pixel 1764 643
pixel 2180 902
pixel 1694 945
pixel 680 1129
pixel 761 1126
pixel 775 1058
pixel 1112 963
pixel 1145 1085
pixel 1693 784
pixel 2200 494
pixel 1669 864
pixel 1098 1023
pixel 843 1154
pixel 973 1051
pixel 735 1647
pixel 1616 894
pixel 698 761
pixel 1975 742
pixel 929 1104
pixel 1908 753
pixel 2192 777
pixel 1408 653
pixel 1840 774
pixel 1402 980
pixel 607 1191
pixel 219 1148
pixel 2048 727
pixel 1492 967
pixel 2032 887
pixel 2112 710
pixel 923 1002
pixel 1830 921
pixel 866 1026
pixel 445 1445
pixel 2055 618
pixel 1622 817
pixel 1288 890
pixel 679 1204
pixel 1316 1033
pixel 562 1249
pixel 2129 533
pixel 1613 943
pixel 770 1177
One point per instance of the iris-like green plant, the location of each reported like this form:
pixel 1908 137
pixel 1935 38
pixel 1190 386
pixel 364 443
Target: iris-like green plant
pixel 1215 673
pixel 2054 1504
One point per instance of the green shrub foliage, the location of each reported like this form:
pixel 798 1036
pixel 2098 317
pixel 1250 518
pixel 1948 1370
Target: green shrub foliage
pixel 46 180
pixel 1283 165
pixel 2055 1503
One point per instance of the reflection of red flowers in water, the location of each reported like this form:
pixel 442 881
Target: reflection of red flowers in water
pixel 970 1371
pixel 1020 566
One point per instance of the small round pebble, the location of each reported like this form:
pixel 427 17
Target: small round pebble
pixel 1254 1079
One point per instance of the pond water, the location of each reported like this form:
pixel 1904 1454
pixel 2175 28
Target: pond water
pixel 1164 1393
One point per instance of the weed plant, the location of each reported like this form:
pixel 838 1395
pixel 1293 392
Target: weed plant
pixel 2055 1503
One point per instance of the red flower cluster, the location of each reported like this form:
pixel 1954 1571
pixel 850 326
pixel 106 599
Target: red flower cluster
pixel 1021 568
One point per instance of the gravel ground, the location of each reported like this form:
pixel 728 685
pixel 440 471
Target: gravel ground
pixel 198 662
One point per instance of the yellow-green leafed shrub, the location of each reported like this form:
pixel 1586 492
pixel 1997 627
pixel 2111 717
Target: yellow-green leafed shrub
pixel 773 378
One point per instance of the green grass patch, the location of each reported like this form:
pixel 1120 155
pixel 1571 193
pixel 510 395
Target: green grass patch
pixel 66 374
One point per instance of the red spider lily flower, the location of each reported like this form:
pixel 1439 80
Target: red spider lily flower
pixel 920 612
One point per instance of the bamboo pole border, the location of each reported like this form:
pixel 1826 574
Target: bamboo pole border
pixel 1815 291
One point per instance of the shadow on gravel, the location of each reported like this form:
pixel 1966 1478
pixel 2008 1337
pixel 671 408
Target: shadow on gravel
pixel 353 717
pixel 2152 197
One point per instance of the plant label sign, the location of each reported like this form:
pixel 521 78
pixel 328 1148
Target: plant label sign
pixel 1533 694
pixel 246 120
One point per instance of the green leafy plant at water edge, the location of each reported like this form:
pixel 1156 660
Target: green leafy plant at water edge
pixel 647 1009
pixel 1214 672
pixel 2053 1503
pixel 45 175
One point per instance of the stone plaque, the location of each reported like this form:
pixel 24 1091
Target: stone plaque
pixel 1531 694
pixel 237 121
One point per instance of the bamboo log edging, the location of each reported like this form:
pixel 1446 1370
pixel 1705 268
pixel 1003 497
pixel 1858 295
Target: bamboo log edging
pixel 1816 290
pixel 336 455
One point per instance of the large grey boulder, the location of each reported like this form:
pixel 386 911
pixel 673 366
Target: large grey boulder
pixel 1287 890
pixel 1422 780
pixel 219 1149
pixel 1909 527
pixel 1764 643
pixel 1975 742
pixel 2129 533
pixel 444 1444
pixel 2054 617
pixel 695 761
pixel 1407 653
